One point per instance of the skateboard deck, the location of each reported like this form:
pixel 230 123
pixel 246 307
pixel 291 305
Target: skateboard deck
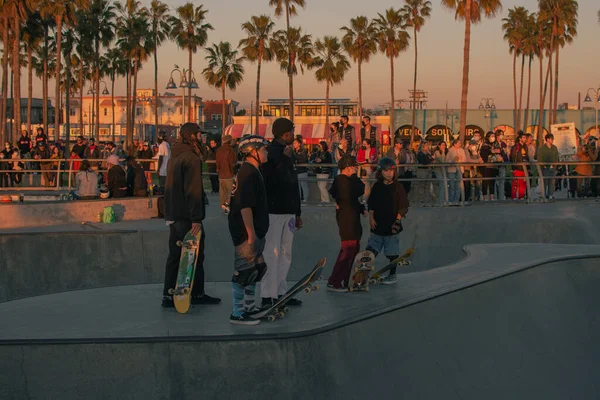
pixel 403 261
pixel 190 247
pixel 361 269
pixel 279 309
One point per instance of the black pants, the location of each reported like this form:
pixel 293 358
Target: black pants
pixel 214 183
pixel 178 230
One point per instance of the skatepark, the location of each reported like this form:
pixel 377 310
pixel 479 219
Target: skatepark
pixel 500 302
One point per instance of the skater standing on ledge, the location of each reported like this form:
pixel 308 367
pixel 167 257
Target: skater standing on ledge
pixel 283 197
pixel 184 210
pixel 248 225
pixel 346 190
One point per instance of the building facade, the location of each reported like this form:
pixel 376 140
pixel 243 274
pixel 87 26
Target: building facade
pixel 308 107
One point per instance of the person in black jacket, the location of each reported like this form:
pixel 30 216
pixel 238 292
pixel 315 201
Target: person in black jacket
pixel 184 211
pixel 117 179
pixel 136 181
pixel 283 196
pixel 347 188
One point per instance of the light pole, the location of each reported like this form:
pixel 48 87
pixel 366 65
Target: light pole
pixel 183 85
pixel 488 104
pixel 596 93
pixel 95 98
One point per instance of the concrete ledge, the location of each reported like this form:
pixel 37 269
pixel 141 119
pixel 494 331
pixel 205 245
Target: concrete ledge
pixel 19 215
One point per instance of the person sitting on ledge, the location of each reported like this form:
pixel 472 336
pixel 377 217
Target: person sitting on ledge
pixel 117 180
pixel 136 180
pixel 86 182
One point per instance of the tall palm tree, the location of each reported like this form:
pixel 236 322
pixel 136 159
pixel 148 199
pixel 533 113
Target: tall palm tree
pixel 82 60
pixel 292 49
pixel 5 44
pixel 224 70
pixel 415 12
pixel 471 12
pixel 115 66
pixel 159 20
pixel 529 51
pixel 360 42
pixel 393 39
pixel 190 32
pixel 545 42
pixel 290 9
pixel 332 65
pixel 32 37
pixel 63 13
pixel 68 45
pixel 256 47
pixel 514 27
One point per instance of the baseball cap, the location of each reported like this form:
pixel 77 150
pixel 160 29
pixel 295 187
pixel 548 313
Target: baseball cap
pixel 281 126
pixel 145 144
pixel 347 161
pixel 189 128
pixel 113 159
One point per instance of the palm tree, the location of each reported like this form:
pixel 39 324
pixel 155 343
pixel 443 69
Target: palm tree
pixel 544 39
pixel 256 47
pixel 360 42
pixel 332 65
pixel 32 36
pixel 514 27
pixel 471 12
pixel 5 43
pixel 393 39
pixel 415 12
pixel 114 66
pixel 63 13
pixel 290 8
pixel 69 41
pixel 190 32
pixel 159 20
pixel 224 70
pixel 82 61
pixel 292 49
pixel 530 51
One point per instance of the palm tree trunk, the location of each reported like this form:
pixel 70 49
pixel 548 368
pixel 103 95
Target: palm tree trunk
pixel 4 79
pixel 515 119
pixel 543 103
pixel 556 82
pixel 29 87
pixel 81 126
pixel 414 106
pixel 257 92
pixel 97 84
pixel 359 91
pixel 528 95
pixel 327 111
pixel 223 121
pixel 45 90
pixel 67 108
pixel 291 91
pixel 59 22
pixel 129 132
pixel 112 98
pixel 133 104
pixel 155 91
pixel 393 107
pixel 550 79
pixel 465 77
pixel 521 92
pixel 17 77
pixel 289 69
pixel 190 109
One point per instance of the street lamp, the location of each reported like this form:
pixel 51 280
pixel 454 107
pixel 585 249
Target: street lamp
pixel 488 104
pixel 184 84
pixel 588 98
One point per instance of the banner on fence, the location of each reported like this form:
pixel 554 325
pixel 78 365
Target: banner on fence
pixel 565 138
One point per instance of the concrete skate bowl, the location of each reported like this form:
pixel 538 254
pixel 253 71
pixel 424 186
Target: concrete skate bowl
pixel 38 264
pixel 529 335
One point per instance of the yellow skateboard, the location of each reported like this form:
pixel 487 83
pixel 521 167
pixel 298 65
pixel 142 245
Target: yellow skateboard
pixel 190 247
pixel 403 261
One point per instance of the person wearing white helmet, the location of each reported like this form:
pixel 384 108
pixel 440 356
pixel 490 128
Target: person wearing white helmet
pixel 117 179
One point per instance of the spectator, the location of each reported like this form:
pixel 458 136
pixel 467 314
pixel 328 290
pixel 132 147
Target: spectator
pixel 79 147
pixel 42 153
pixel 473 186
pixel 92 152
pixel 424 158
pixel 368 132
pixel 323 157
pixel 367 158
pixel 301 157
pixel 501 182
pixel 456 155
pixel 519 154
pixel 439 157
pixel 4 170
pixel 117 180
pixel 531 150
pixel 74 165
pixel 335 135
pixel 491 152
pixel 55 156
pixel 211 155
pixel 225 158
pixel 548 153
pixel 342 150
pixel 16 177
pixel 137 186
pixel 146 154
pixel 585 153
pixel 41 136
pixel 86 182
pixel 25 144
pixel 347 131
pixel 164 153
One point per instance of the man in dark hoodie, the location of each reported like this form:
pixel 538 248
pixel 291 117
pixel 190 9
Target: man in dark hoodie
pixel 184 210
pixel 136 181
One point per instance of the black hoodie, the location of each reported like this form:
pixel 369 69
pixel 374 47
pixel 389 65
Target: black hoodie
pixel 183 190
pixel 281 181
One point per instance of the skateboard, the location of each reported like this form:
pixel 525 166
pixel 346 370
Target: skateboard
pixel 361 269
pixel 279 309
pixel 403 261
pixel 190 246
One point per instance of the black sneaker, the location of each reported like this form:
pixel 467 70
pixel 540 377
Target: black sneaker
pixel 243 319
pixel 294 302
pixel 205 299
pixel 167 302
pixel 267 302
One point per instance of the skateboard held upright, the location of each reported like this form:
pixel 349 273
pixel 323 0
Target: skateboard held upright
pixel 190 247
pixel 361 268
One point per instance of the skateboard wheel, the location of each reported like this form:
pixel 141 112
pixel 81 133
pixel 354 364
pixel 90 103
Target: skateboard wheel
pixel 307 290
pixel 315 288
pixel 286 310
pixel 372 281
pixel 366 289
pixel 280 315
pixel 171 291
pixel 271 318
pixel 179 243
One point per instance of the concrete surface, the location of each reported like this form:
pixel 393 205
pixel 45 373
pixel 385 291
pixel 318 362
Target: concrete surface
pixel 479 329
pixel 19 215
pixel 92 255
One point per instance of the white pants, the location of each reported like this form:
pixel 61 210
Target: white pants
pixel 278 254
pixel 323 187
pixel 303 185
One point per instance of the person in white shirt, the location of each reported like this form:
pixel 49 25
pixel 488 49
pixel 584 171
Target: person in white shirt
pixel 164 153
pixel 456 154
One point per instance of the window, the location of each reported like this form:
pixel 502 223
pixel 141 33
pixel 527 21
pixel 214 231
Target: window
pixel 180 110
pixel 274 111
pixel 334 111
pixel 348 110
pixel 138 111
pixel 106 111
pixel 73 112
pixel 104 131
pixel 216 117
pixel 310 111
pixel 286 111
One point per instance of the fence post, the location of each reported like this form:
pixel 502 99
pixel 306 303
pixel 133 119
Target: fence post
pixel 542 183
pixel 527 184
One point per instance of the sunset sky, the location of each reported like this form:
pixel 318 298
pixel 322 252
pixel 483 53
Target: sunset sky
pixel 440 55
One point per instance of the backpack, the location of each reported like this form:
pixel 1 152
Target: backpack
pixel 108 217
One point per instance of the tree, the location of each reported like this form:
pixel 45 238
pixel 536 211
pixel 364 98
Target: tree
pixel 5 43
pixel 68 45
pixel 515 33
pixel 224 70
pixel 414 13
pixel 471 12
pixel 544 27
pixel 32 37
pixel 256 47
pixel 393 39
pixel 290 8
pixel 331 64
pixel 292 49
pixel 159 20
pixel 190 32
pixel 115 66
pixel 529 51
pixel 360 42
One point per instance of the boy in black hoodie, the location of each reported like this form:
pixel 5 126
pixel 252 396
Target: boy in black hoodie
pixel 347 188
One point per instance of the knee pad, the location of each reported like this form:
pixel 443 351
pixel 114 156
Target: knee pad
pixel 262 270
pixel 245 277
